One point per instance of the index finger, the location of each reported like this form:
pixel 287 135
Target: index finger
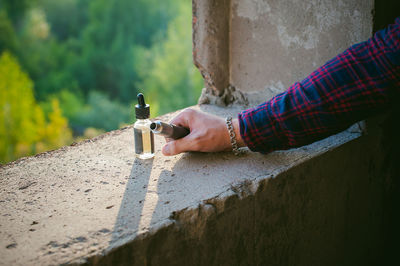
pixel 182 119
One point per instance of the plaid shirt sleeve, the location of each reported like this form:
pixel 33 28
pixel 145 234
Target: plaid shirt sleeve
pixel 357 83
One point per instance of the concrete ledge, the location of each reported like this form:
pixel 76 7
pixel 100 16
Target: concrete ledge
pixel 91 201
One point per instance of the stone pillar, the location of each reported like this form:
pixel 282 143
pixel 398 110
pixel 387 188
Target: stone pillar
pixel 273 43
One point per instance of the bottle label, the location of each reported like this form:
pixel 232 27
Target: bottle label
pixel 138 141
pixel 147 141
pixel 144 141
pixel 152 141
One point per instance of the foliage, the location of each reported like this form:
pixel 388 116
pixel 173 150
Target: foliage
pixel 8 39
pixel 23 127
pixel 102 113
pixel 84 61
pixel 114 28
pixel 16 9
pixel 169 76
pixel 66 27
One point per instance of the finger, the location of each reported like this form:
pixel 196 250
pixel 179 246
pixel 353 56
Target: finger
pixel 180 120
pixel 183 118
pixel 175 147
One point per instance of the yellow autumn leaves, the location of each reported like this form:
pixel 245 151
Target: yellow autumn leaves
pixel 24 129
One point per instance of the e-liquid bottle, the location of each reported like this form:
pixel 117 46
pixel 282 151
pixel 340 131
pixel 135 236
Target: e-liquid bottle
pixel 144 138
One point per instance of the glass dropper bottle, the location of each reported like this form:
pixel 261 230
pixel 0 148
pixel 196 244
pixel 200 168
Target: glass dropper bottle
pixel 144 138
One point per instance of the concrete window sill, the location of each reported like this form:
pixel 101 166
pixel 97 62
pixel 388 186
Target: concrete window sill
pixel 94 202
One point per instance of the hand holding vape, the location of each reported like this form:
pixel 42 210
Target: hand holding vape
pixel 168 130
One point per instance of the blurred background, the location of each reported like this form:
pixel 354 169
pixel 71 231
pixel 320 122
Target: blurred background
pixel 71 69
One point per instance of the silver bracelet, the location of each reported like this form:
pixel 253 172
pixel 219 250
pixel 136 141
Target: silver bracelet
pixel 232 135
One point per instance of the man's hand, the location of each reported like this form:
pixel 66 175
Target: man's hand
pixel 208 133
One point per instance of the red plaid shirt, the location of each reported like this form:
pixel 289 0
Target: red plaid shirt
pixel 357 83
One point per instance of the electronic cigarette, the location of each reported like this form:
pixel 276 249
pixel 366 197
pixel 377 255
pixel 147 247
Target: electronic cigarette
pixel 168 130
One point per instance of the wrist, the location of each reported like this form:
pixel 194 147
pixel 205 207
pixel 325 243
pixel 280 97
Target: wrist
pixel 236 128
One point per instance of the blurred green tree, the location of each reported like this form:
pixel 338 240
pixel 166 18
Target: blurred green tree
pixel 114 28
pixel 23 127
pixel 16 9
pixel 87 60
pixel 8 39
pixel 169 76
pixel 66 17
pixel 101 112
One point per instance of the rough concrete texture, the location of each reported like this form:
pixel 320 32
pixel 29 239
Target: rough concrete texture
pixel 330 210
pixel 211 42
pixel 94 202
pixel 274 43
pixel 230 96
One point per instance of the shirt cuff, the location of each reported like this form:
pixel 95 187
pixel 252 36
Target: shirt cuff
pixel 258 129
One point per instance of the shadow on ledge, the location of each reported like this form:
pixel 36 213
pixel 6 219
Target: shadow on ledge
pixel 340 208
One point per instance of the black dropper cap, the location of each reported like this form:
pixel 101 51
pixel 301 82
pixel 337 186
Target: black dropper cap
pixel 142 109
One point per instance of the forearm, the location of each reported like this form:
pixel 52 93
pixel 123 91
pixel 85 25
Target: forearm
pixel 355 84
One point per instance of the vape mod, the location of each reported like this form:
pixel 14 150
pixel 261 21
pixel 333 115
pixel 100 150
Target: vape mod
pixel 168 130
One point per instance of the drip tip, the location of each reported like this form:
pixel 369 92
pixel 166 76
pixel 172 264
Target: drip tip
pixel 142 109
pixel 140 99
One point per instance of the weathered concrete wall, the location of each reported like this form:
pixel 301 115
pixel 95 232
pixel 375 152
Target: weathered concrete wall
pixel 332 210
pixel 211 42
pixel 384 13
pixel 389 172
pixel 329 203
pixel 94 202
pixel 273 43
